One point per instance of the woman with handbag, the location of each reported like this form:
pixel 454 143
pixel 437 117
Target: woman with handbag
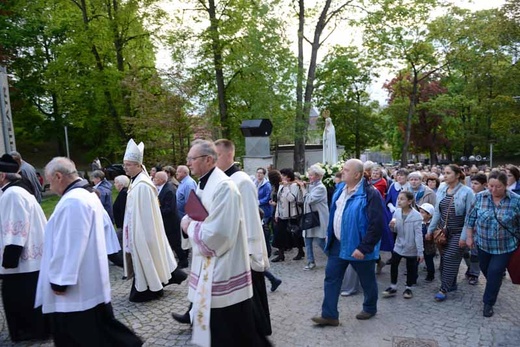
pixel 493 227
pixel 453 203
pixel 286 216
pixel 315 217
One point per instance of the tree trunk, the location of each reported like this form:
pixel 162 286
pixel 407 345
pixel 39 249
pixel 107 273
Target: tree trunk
pixel 299 140
pixel 303 111
pixel 411 111
pixel 216 46
pixel 99 64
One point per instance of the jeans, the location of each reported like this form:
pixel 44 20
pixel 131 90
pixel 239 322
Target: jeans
pixel 471 260
pixel 309 249
pixel 334 273
pixel 430 267
pixel 493 267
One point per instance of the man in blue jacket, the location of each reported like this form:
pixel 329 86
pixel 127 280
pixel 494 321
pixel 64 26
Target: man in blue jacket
pixel 353 238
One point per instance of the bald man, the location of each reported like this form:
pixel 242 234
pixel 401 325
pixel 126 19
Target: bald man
pixel 353 238
pixel 171 221
pixel 186 184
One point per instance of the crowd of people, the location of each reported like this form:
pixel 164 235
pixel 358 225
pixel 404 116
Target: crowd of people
pixel 227 227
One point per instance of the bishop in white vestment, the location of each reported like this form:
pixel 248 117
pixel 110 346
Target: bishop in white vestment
pixel 149 258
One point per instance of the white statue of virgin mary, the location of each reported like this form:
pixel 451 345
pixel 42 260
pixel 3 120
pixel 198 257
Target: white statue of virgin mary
pixel 330 153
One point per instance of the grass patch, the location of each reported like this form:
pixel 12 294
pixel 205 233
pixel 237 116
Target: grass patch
pixel 48 203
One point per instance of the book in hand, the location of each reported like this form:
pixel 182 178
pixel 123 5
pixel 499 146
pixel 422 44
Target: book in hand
pixel 194 208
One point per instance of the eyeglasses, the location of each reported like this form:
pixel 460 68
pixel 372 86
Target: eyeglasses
pixel 188 159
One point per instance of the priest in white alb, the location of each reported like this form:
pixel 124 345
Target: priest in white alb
pixel 149 258
pixel 220 278
pixel 22 224
pixel 74 284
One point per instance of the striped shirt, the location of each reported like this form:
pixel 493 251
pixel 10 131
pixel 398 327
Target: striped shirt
pixel 447 210
pixel 492 236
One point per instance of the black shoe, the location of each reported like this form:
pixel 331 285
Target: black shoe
pixel 178 276
pixel 183 264
pixel 182 318
pixel 275 284
pixel 488 310
pixel 299 256
pixel 278 259
pixel 429 278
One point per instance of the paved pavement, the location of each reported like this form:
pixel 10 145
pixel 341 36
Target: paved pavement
pixel 399 322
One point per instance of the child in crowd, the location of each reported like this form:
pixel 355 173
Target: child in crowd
pixel 407 224
pixel 478 184
pixel 427 211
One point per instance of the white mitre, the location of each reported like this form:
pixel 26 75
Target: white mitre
pixel 134 152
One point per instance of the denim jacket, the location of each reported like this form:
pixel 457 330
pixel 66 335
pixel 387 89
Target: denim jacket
pixel 463 201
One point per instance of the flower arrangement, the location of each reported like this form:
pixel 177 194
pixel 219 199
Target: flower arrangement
pixel 330 172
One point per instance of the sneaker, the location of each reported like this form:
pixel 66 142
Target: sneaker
pixel 440 296
pixel 389 292
pixel 310 266
pixel 275 284
pixel 364 315
pixel 407 294
pixel 346 293
pixel 325 321
pixel 473 280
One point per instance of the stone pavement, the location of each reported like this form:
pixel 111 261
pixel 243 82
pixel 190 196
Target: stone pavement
pixel 399 322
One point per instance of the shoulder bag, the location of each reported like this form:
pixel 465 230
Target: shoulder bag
pixel 440 235
pixel 310 219
pixel 293 227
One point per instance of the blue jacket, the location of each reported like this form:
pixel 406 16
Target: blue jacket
pixel 105 190
pixel 264 195
pixel 463 201
pixel 362 222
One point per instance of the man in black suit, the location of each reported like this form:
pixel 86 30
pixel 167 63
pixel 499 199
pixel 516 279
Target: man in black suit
pixel 168 205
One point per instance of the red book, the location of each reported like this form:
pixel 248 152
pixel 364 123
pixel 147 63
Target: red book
pixel 194 208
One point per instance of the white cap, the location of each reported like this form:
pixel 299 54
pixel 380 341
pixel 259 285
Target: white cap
pixel 134 152
pixel 428 208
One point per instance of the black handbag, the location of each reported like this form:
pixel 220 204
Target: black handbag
pixel 293 226
pixel 310 220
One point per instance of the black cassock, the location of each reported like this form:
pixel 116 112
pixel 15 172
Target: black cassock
pixel 24 322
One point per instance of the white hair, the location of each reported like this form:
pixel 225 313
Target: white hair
pixel 62 165
pixel 316 170
pixel 415 174
pixel 122 180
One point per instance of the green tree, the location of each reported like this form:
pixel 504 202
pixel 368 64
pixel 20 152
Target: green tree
pixel 237 60
pixel 72 59
pixel 341 86
pixel 481 77
pixel 396 31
